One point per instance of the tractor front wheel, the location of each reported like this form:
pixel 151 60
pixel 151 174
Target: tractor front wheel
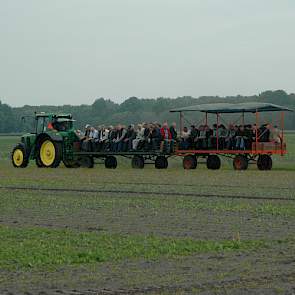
pixel 49 153
pixel 19 157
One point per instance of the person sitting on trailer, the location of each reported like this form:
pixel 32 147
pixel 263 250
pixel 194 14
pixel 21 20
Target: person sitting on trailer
pixel 166 138
pixel 200 140
pixel 139 136
pixel 173 132
pixel 264 132
pixel 248 136
pixel 222 134
pixel 213 137
pixel 103 138
pixel 275 135
pixel 240 138
pixel 112 138
pixel 130 136
pixel 193 137
pixel 86 137
pixel 230 137
pixel 155 136
pixel 184 139
pixel 94 139
pixel 121 135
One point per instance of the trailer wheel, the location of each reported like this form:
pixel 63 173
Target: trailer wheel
pixel 161 162
pixel 240 163
pixel 19 157
pixel 71 164
pixel 137 162
pixel 189 162
pixel 111 162
pixel 264 162
pixel 49 153
pixel 213 162
pixel 86 162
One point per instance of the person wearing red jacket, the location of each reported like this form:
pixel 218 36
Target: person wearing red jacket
pixel 166 137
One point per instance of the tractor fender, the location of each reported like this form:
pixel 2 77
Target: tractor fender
pixel 54 137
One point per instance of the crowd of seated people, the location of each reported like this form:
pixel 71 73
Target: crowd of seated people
pixel 234 137
pixel 153 136
pixel 143 137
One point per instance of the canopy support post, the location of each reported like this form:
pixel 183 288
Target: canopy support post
pixel 282 129
pixel 217 137
pixel 256 130
pixel 181 122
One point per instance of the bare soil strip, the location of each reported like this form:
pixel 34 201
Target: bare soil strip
pixel 129 192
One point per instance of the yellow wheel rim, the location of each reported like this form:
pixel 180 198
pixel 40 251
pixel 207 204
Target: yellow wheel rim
pixel 47 153
pixel 18 157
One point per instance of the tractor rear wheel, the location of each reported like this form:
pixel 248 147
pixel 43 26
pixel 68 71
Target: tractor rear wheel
pixel 189 162
pixel 264 162
pixel 161 162
pixel 213 162
pixel 19 157
pixel 110 162
pixel 240 163
pixel 71 164
pixel 49 153
pixel 137 162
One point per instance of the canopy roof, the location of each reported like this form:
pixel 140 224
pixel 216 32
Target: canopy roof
pixel 247 107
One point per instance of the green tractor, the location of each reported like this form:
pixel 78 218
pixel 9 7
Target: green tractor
pixel 53 140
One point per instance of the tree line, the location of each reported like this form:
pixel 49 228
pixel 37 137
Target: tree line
pixel 134 110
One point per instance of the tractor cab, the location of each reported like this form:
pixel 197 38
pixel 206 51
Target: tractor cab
pixel 47 122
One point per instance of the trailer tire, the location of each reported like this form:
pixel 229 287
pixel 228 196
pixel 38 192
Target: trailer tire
pixel 161 162
pixel 240 163
pixel 189 162
pixel 110 162
pixel 19 156
pixel 264 162
pixel 71 164
pixel 137 162
pixel 86 162
pixel 213 162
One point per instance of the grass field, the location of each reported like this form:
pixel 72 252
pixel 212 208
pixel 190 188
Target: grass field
pixel 124 231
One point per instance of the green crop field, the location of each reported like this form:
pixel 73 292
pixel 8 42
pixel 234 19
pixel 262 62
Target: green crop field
pixel 126 231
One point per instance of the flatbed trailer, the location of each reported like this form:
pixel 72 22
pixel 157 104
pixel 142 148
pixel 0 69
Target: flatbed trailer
pixel 259 153
pixel 139 158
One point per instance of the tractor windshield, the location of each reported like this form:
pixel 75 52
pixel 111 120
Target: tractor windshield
pixel 62 125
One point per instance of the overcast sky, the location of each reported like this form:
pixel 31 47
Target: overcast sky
pixel 73 51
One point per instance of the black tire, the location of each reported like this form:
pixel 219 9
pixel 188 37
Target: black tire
pixel 161 162
pixel 264 162
pixel 137 162
pixel 38 163
pixel 213 162
pixel 19 156
pixel 110 162
pixel 86 162
pixel 189 162
pixel 71 164
pixel 240 163
pixel 57 155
